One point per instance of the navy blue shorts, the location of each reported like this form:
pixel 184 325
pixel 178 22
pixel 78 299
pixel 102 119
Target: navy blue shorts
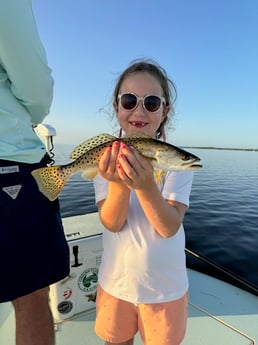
pixel 33 249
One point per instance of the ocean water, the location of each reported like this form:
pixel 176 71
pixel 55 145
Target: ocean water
pixel 221 224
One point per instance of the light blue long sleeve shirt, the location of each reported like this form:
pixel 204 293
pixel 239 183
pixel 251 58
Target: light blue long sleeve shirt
pixel 26 83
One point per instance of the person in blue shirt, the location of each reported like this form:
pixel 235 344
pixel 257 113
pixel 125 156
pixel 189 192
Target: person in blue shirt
pixel 33 249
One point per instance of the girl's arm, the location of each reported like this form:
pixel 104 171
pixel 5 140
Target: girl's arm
pixel 114 208
pixel 136 172
pixel 165 216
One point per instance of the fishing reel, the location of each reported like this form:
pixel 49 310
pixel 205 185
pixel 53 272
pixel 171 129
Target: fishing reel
pixel 46 133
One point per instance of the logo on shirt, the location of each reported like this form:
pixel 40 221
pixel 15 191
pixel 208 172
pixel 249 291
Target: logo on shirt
pixel 9 170
pixel 12 191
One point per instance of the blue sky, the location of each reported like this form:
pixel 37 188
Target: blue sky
pixel 208 48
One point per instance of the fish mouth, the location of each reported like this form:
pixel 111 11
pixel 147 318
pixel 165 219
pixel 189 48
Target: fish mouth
pixel 192 163
pixel 195 166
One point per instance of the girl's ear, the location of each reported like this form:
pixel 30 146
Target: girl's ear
pixel 115 106
pixel 165 111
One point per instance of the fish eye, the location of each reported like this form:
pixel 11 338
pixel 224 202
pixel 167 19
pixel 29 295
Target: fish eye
pixel 185 158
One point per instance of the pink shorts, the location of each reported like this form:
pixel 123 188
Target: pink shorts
pixel 159 323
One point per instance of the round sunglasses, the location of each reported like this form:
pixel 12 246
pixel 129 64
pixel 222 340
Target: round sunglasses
pixel 129 101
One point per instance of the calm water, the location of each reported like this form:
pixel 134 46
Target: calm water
pixel 222 221
pixel 221 224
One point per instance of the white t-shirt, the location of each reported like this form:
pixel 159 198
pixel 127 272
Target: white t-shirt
pixel 138 265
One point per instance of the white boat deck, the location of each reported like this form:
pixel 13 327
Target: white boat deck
pixel 219 313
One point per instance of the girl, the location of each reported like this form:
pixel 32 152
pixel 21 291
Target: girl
pixel 143 280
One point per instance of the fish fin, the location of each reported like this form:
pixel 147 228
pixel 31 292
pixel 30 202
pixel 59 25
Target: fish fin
pixel 89 174
pixel 90 144
pixel 50 181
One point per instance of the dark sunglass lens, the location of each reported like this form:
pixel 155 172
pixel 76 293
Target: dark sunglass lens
pixel 128 101
pixel 152 103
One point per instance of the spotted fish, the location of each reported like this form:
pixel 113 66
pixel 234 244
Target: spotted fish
pixel 86 156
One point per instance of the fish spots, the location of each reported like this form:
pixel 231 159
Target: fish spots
pixel 86 157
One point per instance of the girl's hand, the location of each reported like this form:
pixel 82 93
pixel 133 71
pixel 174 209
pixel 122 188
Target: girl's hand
pixel 108 162
pixel 133 169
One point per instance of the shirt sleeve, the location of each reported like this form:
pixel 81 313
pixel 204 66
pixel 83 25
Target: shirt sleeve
pixel 177 186
pixel 23 58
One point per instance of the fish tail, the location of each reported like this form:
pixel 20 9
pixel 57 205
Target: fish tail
pixel 50 180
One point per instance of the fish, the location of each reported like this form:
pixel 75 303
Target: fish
pixel 86 156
